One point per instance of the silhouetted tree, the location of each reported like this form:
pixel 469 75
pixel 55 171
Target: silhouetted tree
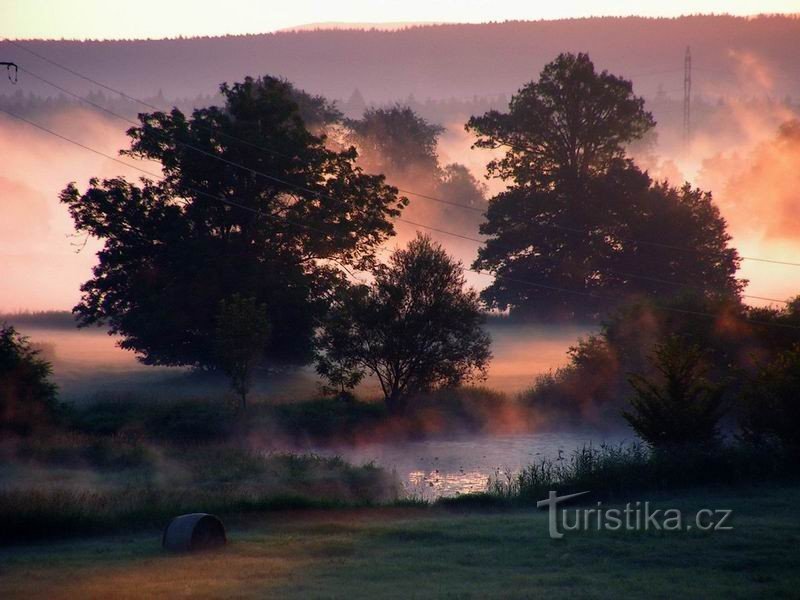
pixel 240 339
pixel 582 229
pixel 570 124
pixel 680 406
pixel 416 328
pixel 27 395
pixel 173 249
pixel 771 401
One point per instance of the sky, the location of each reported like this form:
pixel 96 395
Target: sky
pixel 110 19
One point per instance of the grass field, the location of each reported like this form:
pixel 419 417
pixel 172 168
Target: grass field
pixel 429 552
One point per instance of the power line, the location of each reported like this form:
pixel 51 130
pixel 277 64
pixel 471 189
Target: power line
pixel 494 276
pixel 270 150
pixel 409 222
pixel 422 225
pixel 278 180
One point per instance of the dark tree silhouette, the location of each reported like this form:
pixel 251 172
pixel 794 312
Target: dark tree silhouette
pixel 416 328
pixel 27 395
pixel 570 124
pixel 582 229
pixel 173 250
pixel 771 401
pixel 240 339
pixel 680 406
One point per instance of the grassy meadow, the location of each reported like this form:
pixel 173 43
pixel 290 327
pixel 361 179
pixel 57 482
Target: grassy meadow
pixel 429 552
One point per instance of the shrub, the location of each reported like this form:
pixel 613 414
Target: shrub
pixel 679 407
pixel 771 401
pixel 177 421
pixel 27 395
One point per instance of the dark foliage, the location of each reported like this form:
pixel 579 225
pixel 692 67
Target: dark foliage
pixel 615 472
pixel 27 395
pixel 771 401
pixel 241 336
pixel 179 421
pixel 734 338
pixel 571 124
pixel 679 407
pixel 172 253
pixel 573 237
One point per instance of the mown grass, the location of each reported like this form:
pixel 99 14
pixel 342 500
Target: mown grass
pixel 384 553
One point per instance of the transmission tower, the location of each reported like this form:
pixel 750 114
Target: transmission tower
pixel 687 98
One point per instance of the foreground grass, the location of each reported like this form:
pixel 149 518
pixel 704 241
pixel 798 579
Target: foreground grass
pixel 400 553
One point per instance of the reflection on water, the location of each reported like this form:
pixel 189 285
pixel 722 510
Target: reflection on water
pixel 447 467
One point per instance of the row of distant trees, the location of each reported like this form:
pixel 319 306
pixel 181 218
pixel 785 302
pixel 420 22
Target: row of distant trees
pixel 248 251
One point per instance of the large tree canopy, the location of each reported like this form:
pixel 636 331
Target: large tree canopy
pixel 174 250
pixel 581 228
pixel 625 237
pixel 571 123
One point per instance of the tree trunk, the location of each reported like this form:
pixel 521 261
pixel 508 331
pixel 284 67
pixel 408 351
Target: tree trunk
pixel 396 402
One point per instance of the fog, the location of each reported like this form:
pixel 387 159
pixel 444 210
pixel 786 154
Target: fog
pixel 43 261
pixel 742 150
pixel 88 366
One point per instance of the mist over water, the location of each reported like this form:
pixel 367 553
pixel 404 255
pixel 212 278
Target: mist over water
pixel 87 364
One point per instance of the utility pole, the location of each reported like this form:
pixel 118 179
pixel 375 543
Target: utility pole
pixel 687 98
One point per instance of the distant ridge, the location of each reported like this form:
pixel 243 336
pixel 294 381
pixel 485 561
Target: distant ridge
pixel 438 61
pixel 338 25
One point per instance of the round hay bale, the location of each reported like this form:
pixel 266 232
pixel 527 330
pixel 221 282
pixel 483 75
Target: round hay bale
pixel 195 531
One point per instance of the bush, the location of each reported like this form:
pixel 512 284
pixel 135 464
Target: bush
pixel 679 407
pixel 771 401
pixel 79 451
pixel 178 421
pixel 27 395
pixel 328 417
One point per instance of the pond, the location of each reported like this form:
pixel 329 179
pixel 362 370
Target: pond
pixel 457 465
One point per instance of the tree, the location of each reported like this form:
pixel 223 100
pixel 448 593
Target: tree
pixel 27 395
pixel 680 406
pixel 582 229
pixel 396 141
pixel 570 124
pixel 771 400
pixel 175 248
pixel 241 336
pixel 415 328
